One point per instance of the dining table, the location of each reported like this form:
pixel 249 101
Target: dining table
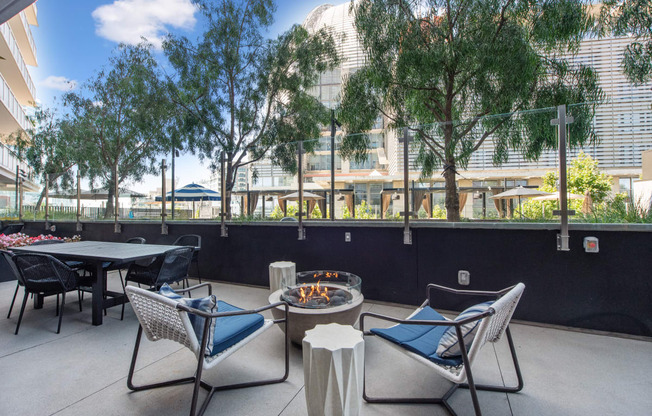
pixel 96 254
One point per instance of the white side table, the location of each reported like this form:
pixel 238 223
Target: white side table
pixel 333 365
pixel 281 271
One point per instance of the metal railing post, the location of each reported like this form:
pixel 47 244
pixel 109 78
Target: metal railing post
pixel 333 121
pixel 407 233
pixel 78 226
pixel 116 227
pixel 302 231
pixel 562 121
pixel 47 200
pixel 164 227
pixel 223 231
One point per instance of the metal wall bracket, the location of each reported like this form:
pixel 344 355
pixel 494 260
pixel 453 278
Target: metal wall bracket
pixel 407 237
pixel 562 242
pixel 302 233
pixel 117 228
pixel 79 226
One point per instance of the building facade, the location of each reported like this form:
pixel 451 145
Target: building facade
pixel 17 92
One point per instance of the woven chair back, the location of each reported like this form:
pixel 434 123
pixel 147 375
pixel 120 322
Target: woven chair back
pixel 160 319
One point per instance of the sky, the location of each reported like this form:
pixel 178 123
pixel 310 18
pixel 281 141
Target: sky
pixel 75 38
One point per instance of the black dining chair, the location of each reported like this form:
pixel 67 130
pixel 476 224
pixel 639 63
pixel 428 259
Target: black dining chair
pixel 170 267
pixel 41 274
pixel 110 266
pixel 193 240
pixel 8 258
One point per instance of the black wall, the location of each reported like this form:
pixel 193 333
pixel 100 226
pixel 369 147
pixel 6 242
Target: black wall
pixel 609 290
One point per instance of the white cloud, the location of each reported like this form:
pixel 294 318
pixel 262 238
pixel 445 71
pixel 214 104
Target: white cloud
pixel 59 83
pixel 128 20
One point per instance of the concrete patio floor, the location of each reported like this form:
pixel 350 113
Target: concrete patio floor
pixel 83 370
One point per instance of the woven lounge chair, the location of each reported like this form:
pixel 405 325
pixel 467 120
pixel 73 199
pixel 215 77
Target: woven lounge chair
pixel 419 336
pixel 164 318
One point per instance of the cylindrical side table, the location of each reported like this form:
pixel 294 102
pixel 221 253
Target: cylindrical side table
pixel 333 366
pixel 281 271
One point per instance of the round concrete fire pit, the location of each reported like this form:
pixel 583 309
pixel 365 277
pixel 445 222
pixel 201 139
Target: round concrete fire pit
pixel 328 297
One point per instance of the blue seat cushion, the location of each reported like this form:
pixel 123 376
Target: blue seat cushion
pixel 420 339
pixel 225 331
pixel 229 330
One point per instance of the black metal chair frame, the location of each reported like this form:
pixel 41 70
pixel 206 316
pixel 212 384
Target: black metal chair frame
pixel 443 401
pixel 123 265
pixel 196 379
pixel 195 253
pixel 23 282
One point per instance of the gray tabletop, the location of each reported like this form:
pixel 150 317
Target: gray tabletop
pixel 97 250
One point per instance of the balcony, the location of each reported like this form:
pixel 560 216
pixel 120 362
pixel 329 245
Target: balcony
pixel 12 115
pixel 83 370
pixel 23 36
pixel 14 69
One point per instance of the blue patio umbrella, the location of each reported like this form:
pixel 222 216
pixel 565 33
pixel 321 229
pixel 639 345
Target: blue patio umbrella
pixel 192 192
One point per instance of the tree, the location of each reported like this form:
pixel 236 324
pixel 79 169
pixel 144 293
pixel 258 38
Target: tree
pixel 120 119
pixel 583 176
pixel 50 150
pixel 446 70
pixel 625 18
pixel 241 95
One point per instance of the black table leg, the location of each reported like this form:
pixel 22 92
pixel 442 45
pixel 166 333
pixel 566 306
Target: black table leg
pixel 38 301
pixel 98 293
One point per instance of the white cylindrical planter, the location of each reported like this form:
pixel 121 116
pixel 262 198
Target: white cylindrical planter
pixel 333 368
pixel 280 272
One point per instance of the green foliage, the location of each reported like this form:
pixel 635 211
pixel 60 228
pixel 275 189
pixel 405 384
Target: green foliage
pixel 631 18
pixel 119 119
pixel 293 211
pixel 243 96
pixel 618 210
pixel 438 212
pixel 51 150
pixel 458 73
pixel 362 212
pixel 583 176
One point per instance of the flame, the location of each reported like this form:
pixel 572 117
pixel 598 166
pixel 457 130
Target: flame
pixel 315 291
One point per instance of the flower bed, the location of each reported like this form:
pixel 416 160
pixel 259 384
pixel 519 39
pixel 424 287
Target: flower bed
pixel 20 239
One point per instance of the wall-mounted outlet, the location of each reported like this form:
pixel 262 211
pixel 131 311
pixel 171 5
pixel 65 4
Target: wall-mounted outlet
pixel 463 277
pixel 347 237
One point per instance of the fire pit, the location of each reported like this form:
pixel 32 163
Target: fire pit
pixel 319 297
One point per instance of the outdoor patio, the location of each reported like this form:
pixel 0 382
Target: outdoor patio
pixel 83 370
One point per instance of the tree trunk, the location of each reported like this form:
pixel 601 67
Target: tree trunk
pixel 230 182
pixel 40 199
pixel 452 197
pixel 110 202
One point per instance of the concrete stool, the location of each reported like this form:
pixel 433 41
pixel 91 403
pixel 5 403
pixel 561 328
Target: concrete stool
pixel 333 366
pixel 282 271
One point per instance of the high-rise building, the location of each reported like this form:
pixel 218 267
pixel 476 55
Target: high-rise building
pixel 623 125
pixel 17 91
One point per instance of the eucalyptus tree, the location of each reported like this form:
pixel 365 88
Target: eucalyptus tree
pixel 121 118
pixel 50 149
pixel 241 95
pixel 444 67
pixel 631 18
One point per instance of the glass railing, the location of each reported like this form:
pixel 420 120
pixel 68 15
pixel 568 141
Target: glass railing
pixel 11 103
pixel 380 176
